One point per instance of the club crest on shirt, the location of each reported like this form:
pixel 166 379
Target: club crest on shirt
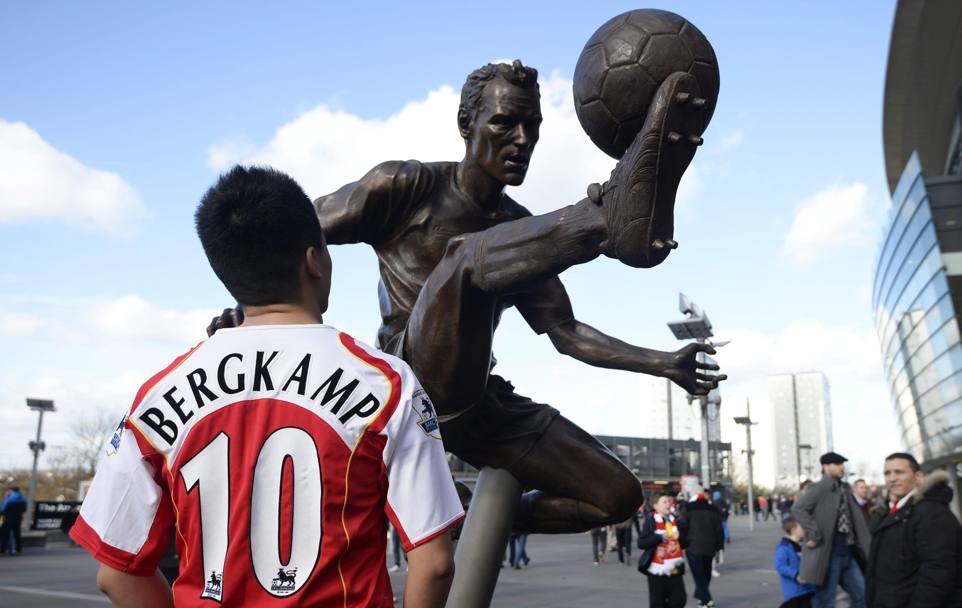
pixel 285 582
pixel 212 587
pixel 114 443
pixel 425 410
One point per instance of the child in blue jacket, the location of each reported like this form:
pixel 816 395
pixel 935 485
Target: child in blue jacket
pixel 787 560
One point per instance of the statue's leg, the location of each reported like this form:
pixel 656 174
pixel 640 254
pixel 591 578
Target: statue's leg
pixel 448 335
pixel 579 484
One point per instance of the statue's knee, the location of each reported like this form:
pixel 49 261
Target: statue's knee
pixel 623 498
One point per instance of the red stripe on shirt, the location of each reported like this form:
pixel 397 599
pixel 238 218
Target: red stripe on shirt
pixel 385 368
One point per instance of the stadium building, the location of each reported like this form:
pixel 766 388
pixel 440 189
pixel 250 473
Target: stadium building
pixel 917 288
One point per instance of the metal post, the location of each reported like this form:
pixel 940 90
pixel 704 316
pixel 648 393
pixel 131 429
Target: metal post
pixel 705 462
pixel 670 424
pixel 477 560
pixel 751 476
pixel 747 421
pixel 798 439
pixel 37 447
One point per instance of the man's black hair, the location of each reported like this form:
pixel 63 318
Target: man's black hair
pixel 15 488
pixel 255 224
pixel 905 456
pixel 472 93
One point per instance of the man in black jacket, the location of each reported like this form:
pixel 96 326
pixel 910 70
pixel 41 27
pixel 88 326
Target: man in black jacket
pixel 914 561
pixel 701 522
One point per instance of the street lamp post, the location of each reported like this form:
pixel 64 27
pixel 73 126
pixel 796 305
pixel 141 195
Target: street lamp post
pixel 696 326
pixel 36 446
pixel 747 421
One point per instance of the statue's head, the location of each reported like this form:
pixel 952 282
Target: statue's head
pixel 499 119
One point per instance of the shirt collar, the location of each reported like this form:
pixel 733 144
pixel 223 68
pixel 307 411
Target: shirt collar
pixel 903 500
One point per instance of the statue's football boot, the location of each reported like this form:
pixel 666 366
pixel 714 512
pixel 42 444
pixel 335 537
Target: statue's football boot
pixel 639 198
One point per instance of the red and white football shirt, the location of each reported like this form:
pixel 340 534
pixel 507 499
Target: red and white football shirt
pixel 276 451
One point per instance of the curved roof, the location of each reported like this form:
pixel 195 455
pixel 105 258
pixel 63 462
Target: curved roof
pixel 924 73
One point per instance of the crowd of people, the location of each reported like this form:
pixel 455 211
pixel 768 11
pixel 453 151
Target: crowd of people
pixel 897 547
pixel 901 551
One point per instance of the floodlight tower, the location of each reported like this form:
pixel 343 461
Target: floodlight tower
pixel 696 326
pixel 747 421
pixel 36 446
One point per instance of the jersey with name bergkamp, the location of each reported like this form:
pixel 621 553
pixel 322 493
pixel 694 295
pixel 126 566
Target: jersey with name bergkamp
pixel 276 451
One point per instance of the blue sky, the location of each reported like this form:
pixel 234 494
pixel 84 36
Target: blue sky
pixel 115 118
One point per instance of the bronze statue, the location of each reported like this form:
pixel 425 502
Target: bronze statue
pixel 454 251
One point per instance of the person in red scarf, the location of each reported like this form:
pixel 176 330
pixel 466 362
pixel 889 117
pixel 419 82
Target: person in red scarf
pixel 663 562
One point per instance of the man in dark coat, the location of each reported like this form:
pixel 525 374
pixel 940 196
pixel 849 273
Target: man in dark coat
pixel 836 536
pixel 916 549
pixel 701 523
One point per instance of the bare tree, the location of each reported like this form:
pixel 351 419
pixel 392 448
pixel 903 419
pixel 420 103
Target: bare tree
pixel 90 433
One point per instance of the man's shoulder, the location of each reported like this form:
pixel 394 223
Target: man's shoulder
pixel 402 174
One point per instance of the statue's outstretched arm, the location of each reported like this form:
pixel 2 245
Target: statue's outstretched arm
pixel 547 309
pixel 683 367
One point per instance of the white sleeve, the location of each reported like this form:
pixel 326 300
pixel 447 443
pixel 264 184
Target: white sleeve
pixel 126 517
pixel 421 499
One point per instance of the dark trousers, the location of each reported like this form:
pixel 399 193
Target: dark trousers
pixel 599 540
pixel 396 546
pixel 700 566
pixel 802 601
pixel 7 530
pixel 666 591
pixel 624 543
pixel 518 553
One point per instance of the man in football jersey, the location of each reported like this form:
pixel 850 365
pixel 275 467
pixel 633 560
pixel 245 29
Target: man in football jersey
pixel 275 448
pixel 454 251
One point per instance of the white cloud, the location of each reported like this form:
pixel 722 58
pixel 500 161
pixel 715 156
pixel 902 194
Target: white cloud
pixel 14 324
pixel 134 317
pixel 40 183
pixel 732 140
pixel 841 351
pixel 324 148
pixel 832 219
pixel 73 400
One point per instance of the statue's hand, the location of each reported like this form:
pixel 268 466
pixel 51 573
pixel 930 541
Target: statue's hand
pixel 685 370
pixel 231 317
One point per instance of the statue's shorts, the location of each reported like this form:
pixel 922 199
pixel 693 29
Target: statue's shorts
pixel 501 430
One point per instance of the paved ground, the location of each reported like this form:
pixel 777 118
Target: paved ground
pixel 561 575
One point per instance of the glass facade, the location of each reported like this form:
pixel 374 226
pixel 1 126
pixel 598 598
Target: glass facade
pixel 916 324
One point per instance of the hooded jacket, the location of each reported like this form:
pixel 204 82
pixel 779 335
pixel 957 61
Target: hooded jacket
pixel 702 523
pixel 915 560
pixel 787 562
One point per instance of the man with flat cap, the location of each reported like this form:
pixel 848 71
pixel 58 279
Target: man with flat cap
pixel 836 536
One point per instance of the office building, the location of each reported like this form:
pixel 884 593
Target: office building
pixel 802 414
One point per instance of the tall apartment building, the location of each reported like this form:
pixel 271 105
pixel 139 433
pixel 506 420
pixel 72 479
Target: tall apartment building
pixel 802 424
pixel 685 416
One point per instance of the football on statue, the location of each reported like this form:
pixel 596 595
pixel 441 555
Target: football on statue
pixel 623 64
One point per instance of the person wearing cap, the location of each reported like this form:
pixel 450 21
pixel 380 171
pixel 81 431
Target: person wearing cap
pixel 836 536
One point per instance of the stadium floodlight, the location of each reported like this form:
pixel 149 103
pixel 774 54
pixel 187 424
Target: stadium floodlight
pixel 40 406
pixel 746 420
pixel 696 326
